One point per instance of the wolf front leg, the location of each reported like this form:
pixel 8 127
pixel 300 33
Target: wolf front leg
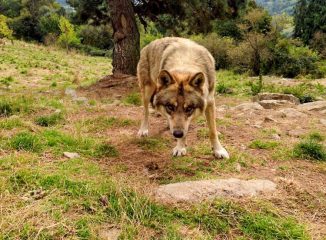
pixel 218 150
pixel 180 149
pixel 146 95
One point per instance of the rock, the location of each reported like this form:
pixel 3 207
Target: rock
pixel 291 113
pixel 273 104
pixel 269 119
pixel 313 106
pixel 111 233
pixel 277 96
pixel 238 167
pixel 81 100
pixel 71 92
pixel 323 121
pixel 276 136
pixel 197 191
pixel 296 133
pixel 248 106
pixel 71 155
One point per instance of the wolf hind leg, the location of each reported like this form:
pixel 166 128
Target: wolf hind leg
pixel 218 150
pixel 147 93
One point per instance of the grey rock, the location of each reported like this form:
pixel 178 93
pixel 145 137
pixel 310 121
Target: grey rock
pixel 274 104
pixel 71 155
pixel 197 191
pixel 71 92
pixel 291 113
pixel 313 106
pixel 248 106
pixel 276 136
pixel 276 96
pixel 81 100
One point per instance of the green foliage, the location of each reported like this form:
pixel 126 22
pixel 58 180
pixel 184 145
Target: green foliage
pixel 5 31
pixel 96 36
pixel 133 99
pixel 310 149
pixel 49 24
pixel 68 36
pixel 151 34
pixel 49 120
pixel 26 141
pixel 256 87
pixel 6 81
pixel 278 6
pixel 9 106
pixel 309 18
pixel 259 144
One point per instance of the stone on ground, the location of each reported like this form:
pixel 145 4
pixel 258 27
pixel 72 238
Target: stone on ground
pixel 71 155
pixel 196 191
pixel 277 96
pixel 313 106
pixel 248 106
pixel 109 233
pixel 323 121
pixel 274 104
pixel 291 113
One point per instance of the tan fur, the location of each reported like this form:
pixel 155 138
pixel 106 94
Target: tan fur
pixel 178 76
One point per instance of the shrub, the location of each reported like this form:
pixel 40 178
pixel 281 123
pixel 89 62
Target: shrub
pixel 50 120
pixel 99 37
pixel 291 60
pixel 217 46
pixel 49 26
pixel 149 35
pixel 5 31
pixel 310 149
pixel 26 141
pixel 68 37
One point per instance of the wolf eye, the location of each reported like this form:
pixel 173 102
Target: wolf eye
pixel 189 109
pixel 170 107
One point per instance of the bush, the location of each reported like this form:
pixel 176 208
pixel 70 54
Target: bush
pixel 49 26
pixel 68 37
pixel 99 37
pixel 5 31
pixel 217 46
pixel 291 60
pixel 310 149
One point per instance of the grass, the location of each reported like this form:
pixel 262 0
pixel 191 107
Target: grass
pixel 49 120
pixel 310 149
pixel 260 144
pixel 46 196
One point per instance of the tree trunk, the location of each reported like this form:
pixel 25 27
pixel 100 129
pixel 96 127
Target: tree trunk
pixel 125 36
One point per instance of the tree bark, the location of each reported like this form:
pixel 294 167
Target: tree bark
pixel 125 36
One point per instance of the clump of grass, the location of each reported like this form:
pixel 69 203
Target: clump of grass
pixel 49 120
pixel 151 143
pixel 26 141
pixel 300 91
pixel 11 123
pixel 7 81
pixel 259 144
pixel 106 150
pixel 222 88
pixel 5 109
pixel 316 136
pixel 310 149
pixel 132 99
pixel 256 87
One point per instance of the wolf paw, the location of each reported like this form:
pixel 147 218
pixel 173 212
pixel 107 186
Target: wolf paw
pixel 179 151
pixel 221 153
pixel 142 133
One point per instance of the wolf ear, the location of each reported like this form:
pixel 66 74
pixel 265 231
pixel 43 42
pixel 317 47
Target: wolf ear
pixel 198 81
pixel 165 79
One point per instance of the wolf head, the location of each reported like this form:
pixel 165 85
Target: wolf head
pixel 180 97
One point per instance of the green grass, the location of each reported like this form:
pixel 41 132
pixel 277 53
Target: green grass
pixel 132 99
pixel 49 120
pixel 310 149
pixel 26 141
pixel 260 144
pixel 11 123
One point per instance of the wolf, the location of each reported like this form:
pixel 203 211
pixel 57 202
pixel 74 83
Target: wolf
pixel 177 77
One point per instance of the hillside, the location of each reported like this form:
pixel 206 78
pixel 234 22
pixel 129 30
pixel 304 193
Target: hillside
pixel 72 166
pixel 278 6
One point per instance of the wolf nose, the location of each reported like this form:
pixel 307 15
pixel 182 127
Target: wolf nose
pixel 178 133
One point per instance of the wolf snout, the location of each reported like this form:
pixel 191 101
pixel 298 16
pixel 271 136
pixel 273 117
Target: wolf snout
pixel 178 133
